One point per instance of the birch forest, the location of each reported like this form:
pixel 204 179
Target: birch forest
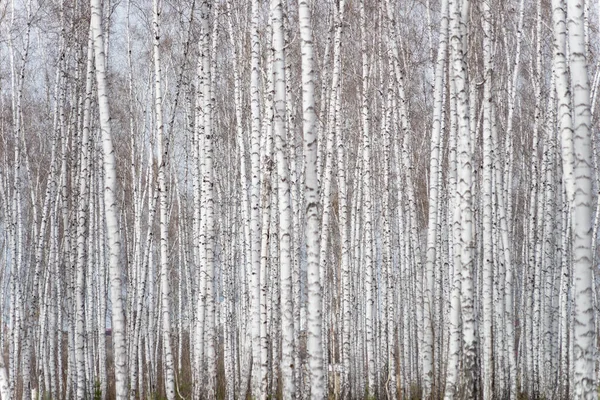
pixel 299 199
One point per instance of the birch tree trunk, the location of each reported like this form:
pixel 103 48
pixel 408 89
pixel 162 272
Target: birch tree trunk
pixel 565 126
pixel 82 217
pixel 367 212
pixel 111 212
pixel 163 151
pixel 584 332
pixel 311 195
pixel 464 187
pixel 434 189
pixel 255 226
pixel 454 345
pixel 284 202
pixel 488 258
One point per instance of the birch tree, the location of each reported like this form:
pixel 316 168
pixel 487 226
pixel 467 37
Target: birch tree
pixel 111 211
pixel 584 324
pixel 464 185
pixel 488 258
pixel 163 146
pixel 284 202
pixel 434 189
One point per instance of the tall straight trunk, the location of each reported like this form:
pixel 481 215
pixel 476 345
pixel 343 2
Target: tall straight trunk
pixel 367 211
pixel 584 332
pixel 55 365
pixel 111 212
pixel 284 202
pixel 82 220
pixel 565 316
pixel 347 309
pixel 488 160
pixel 311 193
pixel 434 190
pixel 547 382
pixel 255 224
pixel 198 335
pixel 206 301
pixel 505 325
pixel 388 267
pixel 506 213
pixel 326 177
pixel 321 282
pixel 163 151
pixel 464 187
pixel 267 200
pixel 246 258
pixel 565 125
pixel 454 334
pixel 101 248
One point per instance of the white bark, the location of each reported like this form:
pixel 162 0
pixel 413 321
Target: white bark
pixel 111 212
pixel 4 389
pixel 454 345
pixel 584 334
pixel 255 200
pixel 367 212
pixel 311 187
pixel 488 160
pixel 434 190
pixel 102 278
pixel 82 217
pixel 205 329
pixel 563 92
pixel 464 185
pixel 284 202
pixel 267 201
pixel 163 151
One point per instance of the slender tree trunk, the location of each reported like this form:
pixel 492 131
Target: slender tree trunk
pixel 255 225
pixel 111 212
pixel 311 188
pixel 82 217
pixel 163 151
pixel 488 160
pixel 284 202
pixel 454 345
pixel 434 190
pixel 367 212
pixel 563 91
pixel 464 187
